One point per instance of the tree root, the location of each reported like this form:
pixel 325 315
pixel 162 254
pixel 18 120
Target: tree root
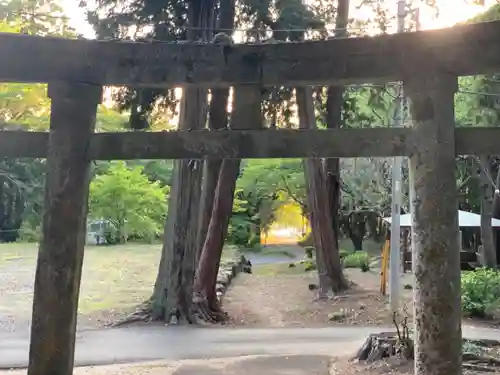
pixel 143 313
pixel 478 368
pixel 481 359
pixel 206 312
pixel 178 317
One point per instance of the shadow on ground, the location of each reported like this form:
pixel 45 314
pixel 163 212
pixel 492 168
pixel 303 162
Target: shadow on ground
pixel 283 365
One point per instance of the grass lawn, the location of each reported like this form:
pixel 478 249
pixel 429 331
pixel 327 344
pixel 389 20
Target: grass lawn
pixel 114 279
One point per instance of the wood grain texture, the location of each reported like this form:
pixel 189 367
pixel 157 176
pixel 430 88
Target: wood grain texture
pixel 248 144
pixel 437 299
pixel 460 50
pixel 60 257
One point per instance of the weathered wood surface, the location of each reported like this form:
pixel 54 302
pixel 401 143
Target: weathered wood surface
pixel 60 258
pixel 461 50
pixel 437 305
pixel 248 144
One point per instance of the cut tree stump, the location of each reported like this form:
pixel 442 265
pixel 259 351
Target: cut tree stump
pixel 384 345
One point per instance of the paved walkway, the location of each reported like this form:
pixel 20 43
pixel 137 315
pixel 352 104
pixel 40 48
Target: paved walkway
pixel 147 343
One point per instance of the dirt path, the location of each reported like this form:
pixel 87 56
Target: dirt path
pixel 278 296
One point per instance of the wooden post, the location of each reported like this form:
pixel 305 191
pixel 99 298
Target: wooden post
pixel 435 223
pixel 60 257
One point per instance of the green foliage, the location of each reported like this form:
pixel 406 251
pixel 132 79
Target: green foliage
pixel 310 250
pixel 129 201
pixel 471 347
pixel 28 233
pixel 344 253
pixel 307 240
pixel 480 292
pixel 309 265
pixel 357 259
pixel 35 17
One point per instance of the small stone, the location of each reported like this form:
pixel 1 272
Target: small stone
pixel 337 316
pixel 312 286
pixel 220 288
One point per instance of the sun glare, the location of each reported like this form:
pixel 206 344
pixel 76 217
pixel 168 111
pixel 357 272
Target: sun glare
pixel 451 13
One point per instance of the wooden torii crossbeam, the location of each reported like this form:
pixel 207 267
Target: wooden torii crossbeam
pixel 251 144
pixel 458 51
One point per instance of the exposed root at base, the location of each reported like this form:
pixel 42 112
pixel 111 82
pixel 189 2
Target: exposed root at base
pixel 203 310
pixel 143 313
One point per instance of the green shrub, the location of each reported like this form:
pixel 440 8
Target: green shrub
pixel 480 292
pixel 471 347
pixel 239 235
pixel 309 251
pixel 28 233
pixel 307 240
pixel 357 259
pixel 343 253
pixel 309 265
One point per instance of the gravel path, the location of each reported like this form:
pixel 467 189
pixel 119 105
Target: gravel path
pixel 16 293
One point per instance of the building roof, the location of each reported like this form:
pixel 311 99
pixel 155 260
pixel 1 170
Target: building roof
pixel 465 219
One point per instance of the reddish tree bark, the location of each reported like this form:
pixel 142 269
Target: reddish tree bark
pixel 206 274
pixel 246 115
pixel 217 119
pixel 330 272
pixel 334 102
pixel 173 291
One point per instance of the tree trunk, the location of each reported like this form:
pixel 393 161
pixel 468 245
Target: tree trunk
pixel 334 103
pixel 327 254
pixel 496 213
pixel 488 247
pixel 173 292
pixel 246 115
pixel 357 242
pixel 208 266
pixel 217 119
pixel 356 227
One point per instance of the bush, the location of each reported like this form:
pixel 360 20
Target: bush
pixel 471 347
pixel 309 251
pixel 480 292
pixel 239 235
pixel 307 240
pixel 344 253
pixel 309 265
pixel 358 259
pixel 28 233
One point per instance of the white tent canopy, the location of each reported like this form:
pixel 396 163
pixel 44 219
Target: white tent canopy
pixel 465 219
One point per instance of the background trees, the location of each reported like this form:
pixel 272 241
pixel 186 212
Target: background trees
pixel 133 205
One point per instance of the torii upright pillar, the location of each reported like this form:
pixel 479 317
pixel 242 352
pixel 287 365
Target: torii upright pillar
pixel 435 224
pixel 60 257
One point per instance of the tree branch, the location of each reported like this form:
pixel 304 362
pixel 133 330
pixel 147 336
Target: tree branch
pixel 291 194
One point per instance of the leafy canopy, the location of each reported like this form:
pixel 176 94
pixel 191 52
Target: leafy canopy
pixel 125 197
